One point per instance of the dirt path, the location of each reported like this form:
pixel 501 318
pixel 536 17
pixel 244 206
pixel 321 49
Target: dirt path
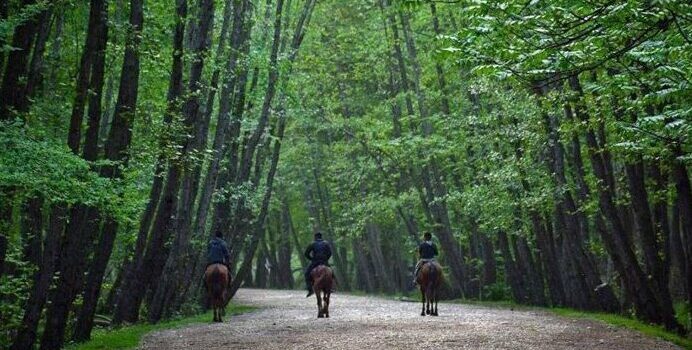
pixel 288 320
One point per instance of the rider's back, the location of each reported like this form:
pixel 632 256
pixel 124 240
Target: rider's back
pixel 427 250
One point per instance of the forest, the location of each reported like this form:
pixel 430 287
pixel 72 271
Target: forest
pixel 546 145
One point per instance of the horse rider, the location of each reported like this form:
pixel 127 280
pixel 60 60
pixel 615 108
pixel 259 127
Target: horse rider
pixel 217 252
pixel 318 252
pixel 427 251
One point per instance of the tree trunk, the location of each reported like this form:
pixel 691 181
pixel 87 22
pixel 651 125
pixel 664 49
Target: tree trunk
pixel 35 76
pixel 432 181
pixel 648 237
pixel 261 217
pixel 224 117
pixel 646 304
pixel 546 246
pixel 444 100
pixel 96 18
pixel 678 280
pixel 116 149
pixel 6 206
pixel 511 273
pixel 56 46
pixel 364 279
pixel 3 17
pixel 583 277
pixel 13 91
pixel 32 232
pixel 26 337
pixel 85 219
pixel 684 201
pixel 127 307
pixel 194 121
pixel 284 246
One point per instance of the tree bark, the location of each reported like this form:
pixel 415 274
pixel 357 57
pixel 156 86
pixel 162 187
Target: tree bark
pixel 432 181
pixel 684 201
pixel 13 91
pixel 261 217
pixel 26 337
pixel 582 278
pixel 96 17
pixel 648 237
pixel 35 76
pixel 116 149
pixel 85 220
pixel 194 122
pixel 160 205
pixel 647 306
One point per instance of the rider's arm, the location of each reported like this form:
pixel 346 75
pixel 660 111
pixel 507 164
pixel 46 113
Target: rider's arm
pixel 434 249
pixel 308 252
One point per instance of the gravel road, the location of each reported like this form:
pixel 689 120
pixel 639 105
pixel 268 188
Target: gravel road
pixel 287 320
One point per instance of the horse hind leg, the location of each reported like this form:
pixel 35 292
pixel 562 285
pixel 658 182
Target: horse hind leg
pixel 427 302
pixel 320 313
pixel 422 297
pixel 434 304
pixel 326 304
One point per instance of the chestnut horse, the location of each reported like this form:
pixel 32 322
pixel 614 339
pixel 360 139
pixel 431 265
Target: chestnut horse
pixel 322 284
pixel 216 278
pixel 429 279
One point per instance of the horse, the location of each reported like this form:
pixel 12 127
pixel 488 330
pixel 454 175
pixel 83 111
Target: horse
pixel 216 278
pixel 429 279
pixel 322 284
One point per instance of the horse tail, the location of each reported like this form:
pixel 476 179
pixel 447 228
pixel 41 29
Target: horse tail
pixel 332 279
pixel 217 287
pixel 432 278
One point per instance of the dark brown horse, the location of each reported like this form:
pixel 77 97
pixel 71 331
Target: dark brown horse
pixel 322 284
pixel 429 279
pixel 216 278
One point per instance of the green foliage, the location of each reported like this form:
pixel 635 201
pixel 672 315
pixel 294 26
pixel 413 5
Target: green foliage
pixel 496 292
pixel 32 166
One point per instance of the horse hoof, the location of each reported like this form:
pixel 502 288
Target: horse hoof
pixel 327 315
pixel 434 314
pixel 422 313
pixel 320 316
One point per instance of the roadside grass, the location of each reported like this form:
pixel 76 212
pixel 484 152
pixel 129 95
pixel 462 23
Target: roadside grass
pixel 626 322
pixel 128 337
pixel 611 319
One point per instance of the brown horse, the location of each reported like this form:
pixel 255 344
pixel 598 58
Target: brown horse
pixel 322 284
pixel 429 279
pixel 216 278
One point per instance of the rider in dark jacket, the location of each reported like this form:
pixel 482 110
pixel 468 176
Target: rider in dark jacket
pixel 318 253
pixel 427 251
pixel 217 252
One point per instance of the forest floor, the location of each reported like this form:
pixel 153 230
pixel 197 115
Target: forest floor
pixel 288 320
